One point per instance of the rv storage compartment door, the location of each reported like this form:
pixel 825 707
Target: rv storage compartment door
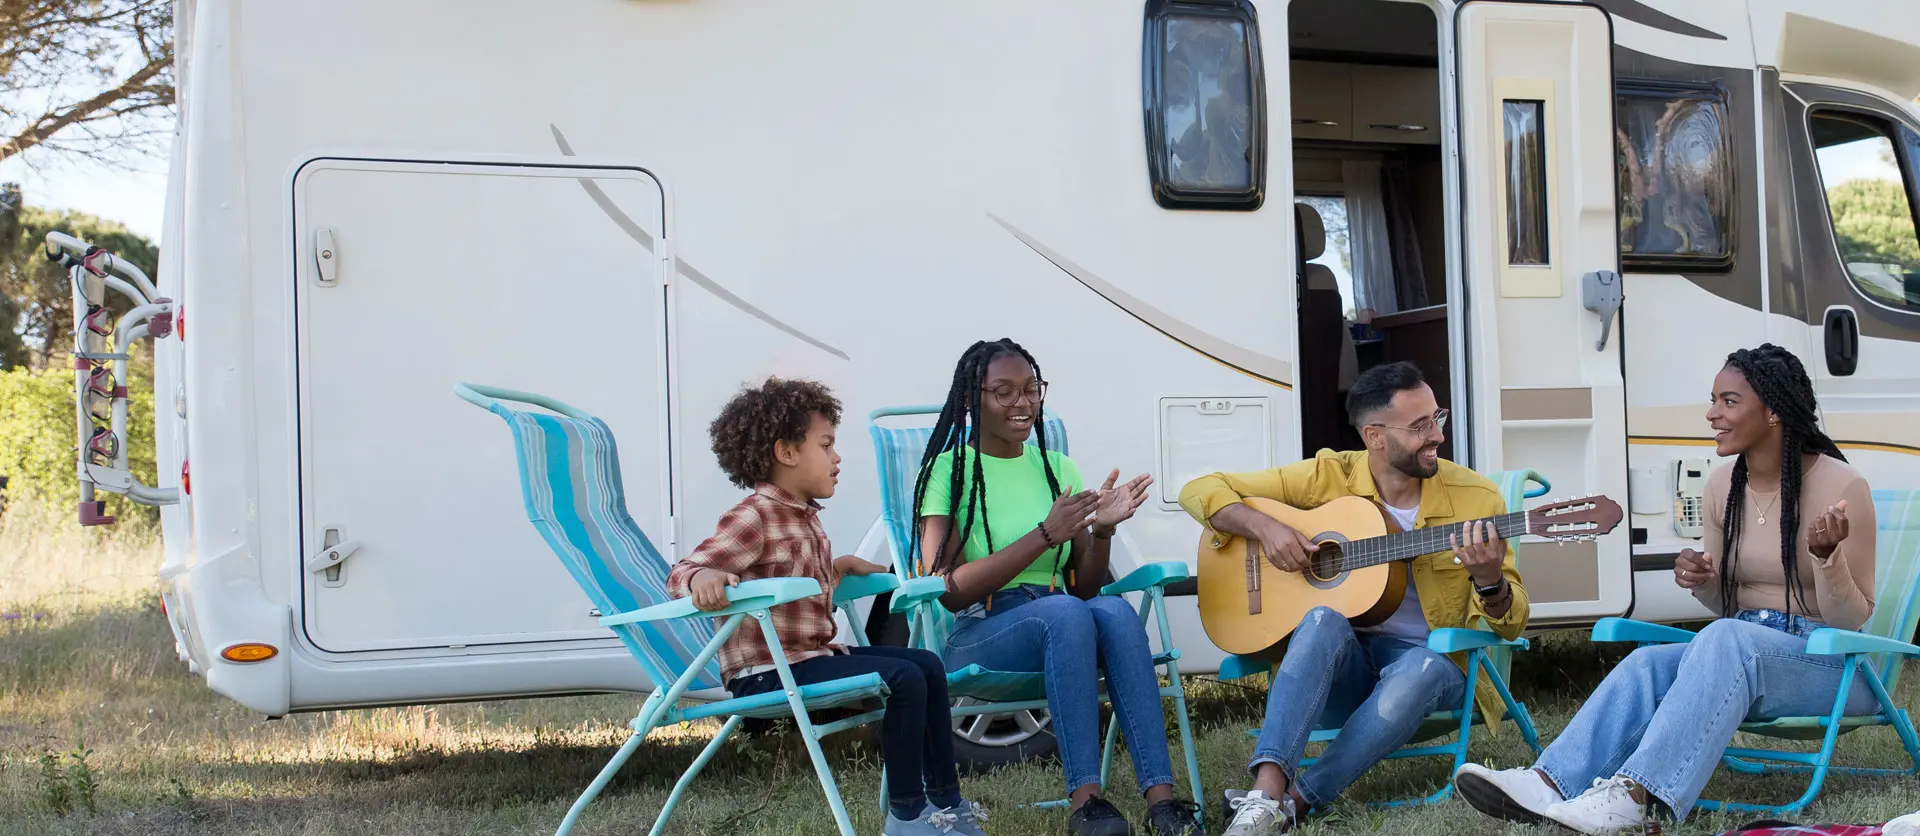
pixel 1537 177
pixel 497 274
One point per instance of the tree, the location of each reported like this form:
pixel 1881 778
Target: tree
pixel 1874 223
pixel 92 77
pixel 36 295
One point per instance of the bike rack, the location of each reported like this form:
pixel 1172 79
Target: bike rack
pixel 101 459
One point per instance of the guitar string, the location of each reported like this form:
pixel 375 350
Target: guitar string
pixel 1358 554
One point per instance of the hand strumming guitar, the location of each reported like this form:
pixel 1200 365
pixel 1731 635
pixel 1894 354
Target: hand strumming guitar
pixel 1285 545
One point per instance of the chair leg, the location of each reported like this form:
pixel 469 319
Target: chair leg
pixel 686 778
pixel 1820 762
pixel 1107 747
pixel 600 783
pixel 642 726
pixel 808 733
pixel 1186 737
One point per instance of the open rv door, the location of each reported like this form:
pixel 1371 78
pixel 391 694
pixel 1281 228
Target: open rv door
pixel 1545 388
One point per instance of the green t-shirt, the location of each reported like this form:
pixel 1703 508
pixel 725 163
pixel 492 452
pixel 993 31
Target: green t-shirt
pixel 1017 499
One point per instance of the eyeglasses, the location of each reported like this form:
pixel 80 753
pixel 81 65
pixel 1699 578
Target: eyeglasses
pixel 1423 426
pixel 1008 395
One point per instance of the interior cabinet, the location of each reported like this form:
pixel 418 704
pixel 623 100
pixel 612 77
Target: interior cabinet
pixel 1396 104
pixel 1322 100
pixel 1365 103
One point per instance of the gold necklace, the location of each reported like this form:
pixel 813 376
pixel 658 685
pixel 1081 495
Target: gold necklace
pixel 1763 512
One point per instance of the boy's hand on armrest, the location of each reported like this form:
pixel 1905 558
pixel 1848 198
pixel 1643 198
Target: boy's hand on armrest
pixel 849 565
pixel 710 589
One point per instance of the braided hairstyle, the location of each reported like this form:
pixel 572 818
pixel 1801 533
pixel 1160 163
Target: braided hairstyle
pixel 1784 388
pixel 958 430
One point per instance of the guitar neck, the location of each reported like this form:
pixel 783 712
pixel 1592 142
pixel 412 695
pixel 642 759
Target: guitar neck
pixel 1374 551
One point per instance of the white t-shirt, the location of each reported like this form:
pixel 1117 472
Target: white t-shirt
pixel 1408 622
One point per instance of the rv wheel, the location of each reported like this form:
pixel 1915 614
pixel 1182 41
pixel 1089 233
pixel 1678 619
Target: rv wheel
pixel 984 741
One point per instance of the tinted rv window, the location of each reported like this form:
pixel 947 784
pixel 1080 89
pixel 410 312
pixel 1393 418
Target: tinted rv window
pixel 1525 123
pixel 1676 180
pixel 1866 176
pixel 1205 103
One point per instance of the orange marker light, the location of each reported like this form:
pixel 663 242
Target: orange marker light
pixel 249 652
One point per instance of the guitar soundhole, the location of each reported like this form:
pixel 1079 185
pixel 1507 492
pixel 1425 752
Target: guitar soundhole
pixel 1325 571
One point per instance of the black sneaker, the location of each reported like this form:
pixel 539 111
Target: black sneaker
pixel 1174 817
pixel 1097 817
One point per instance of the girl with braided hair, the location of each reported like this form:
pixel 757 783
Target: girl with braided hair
pixel 1023 546
pixel 1789 549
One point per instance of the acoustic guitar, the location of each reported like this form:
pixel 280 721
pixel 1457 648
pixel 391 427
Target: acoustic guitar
pixel 1249 605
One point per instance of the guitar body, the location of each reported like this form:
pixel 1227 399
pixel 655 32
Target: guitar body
pixel 1249 606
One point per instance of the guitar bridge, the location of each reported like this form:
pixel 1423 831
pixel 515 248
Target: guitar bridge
pixel 1253 576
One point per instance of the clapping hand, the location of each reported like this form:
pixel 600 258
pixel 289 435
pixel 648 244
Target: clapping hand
pixel 1118 504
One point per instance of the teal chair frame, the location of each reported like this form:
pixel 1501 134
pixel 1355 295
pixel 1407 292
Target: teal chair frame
pixel 1485 652
pixel 1878 651
pixel 570 483
pixel 897 453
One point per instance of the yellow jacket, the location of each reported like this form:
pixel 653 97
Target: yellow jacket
pixel 1453 496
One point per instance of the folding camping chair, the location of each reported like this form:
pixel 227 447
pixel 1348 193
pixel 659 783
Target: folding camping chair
pixel 898 452
pixel 570 482
pixel 1879 649
pixel 1485 652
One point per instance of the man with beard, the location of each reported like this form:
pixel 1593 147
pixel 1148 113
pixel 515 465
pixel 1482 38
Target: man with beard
pixel 1379 682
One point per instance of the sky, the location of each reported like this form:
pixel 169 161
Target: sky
pixel 135 196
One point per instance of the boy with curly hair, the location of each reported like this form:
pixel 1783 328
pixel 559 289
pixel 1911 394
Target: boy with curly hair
pixel 776 440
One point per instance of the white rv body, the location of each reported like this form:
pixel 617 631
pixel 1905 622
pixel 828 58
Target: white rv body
pixel 636 207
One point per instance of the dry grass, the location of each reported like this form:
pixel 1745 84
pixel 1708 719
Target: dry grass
pixel 87 665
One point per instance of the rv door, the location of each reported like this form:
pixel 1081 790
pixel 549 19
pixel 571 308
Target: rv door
pixel 1541 284
pixel 412 276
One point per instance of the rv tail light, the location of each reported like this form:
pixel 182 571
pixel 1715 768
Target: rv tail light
pixel 180 321
pixel 249 652
pixel 186 483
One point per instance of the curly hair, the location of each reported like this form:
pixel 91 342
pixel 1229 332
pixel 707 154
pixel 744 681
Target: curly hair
pixel 776 410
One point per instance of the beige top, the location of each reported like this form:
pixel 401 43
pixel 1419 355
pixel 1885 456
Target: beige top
pixel 1837 591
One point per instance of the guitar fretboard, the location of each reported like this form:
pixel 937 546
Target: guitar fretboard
pixel 1373 551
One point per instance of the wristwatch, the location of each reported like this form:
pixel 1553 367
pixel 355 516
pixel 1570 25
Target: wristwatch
pixel 1490 591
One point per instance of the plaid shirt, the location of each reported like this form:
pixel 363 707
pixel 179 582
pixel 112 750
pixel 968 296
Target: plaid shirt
pixel 770 534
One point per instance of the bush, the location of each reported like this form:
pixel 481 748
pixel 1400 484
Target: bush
pixel 38 441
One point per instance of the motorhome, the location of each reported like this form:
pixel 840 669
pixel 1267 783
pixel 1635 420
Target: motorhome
pixel 1202 216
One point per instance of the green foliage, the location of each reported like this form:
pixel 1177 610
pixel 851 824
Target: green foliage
pixel 37 449
pixel 1874 223
pixel 38 296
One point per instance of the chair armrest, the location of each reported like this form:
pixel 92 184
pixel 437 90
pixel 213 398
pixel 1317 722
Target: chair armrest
pixel 918 591
pixel 855 587
pixel 747 597
pixel 1628 630
pixel 1456 640
pixel 1240 667
pixel 1832 641
pixel 1153 574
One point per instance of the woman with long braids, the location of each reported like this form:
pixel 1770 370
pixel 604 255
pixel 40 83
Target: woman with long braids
pixel 1024 547
pixel 1789 549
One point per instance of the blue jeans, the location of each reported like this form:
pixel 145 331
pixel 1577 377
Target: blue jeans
pixel 1663 717
pixel 1029 629
pixel 1376 689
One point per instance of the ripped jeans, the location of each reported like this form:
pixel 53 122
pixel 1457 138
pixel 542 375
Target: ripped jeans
pixel 1375 688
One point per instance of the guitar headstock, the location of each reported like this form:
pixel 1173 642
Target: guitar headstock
pixel 1586 518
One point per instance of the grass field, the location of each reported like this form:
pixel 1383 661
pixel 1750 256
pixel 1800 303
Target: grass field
pixel 98 719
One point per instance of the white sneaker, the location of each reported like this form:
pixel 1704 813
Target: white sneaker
pixel 1255 814
pixel 1512 794
pixel 1608 807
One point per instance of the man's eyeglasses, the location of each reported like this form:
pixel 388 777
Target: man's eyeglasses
pixel 1009 395
pixel 1423 426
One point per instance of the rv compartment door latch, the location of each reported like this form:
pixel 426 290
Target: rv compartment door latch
pixel 1600 292
pixel 332 556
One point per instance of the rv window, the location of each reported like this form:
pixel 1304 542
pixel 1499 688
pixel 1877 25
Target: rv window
pixel 1205 104
pixel 1526 181
pixel 1338 255
pixel 1869 200
pixel 1676 177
